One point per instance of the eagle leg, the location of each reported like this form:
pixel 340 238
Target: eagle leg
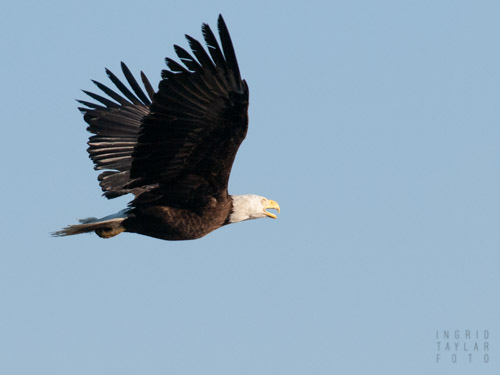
pixel 109 232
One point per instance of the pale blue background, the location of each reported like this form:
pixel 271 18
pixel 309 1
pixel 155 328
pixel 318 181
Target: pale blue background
pixel 375 125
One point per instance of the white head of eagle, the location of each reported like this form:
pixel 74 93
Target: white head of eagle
pixel 251 206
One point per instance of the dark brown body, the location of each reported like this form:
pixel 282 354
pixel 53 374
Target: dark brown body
pixel 173 224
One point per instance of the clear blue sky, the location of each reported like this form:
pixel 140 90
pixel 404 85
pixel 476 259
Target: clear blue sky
pixel 374 124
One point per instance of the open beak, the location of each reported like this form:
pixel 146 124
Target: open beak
pixel 273 206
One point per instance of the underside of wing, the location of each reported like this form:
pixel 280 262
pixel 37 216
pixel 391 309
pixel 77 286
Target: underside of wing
pixel 115 121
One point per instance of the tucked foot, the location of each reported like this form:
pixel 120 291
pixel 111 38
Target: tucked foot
pixel 109 232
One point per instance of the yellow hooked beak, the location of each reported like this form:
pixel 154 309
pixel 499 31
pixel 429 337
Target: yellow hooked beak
pixel 269 204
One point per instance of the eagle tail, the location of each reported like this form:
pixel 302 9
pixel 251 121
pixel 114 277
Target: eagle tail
pixel 106 227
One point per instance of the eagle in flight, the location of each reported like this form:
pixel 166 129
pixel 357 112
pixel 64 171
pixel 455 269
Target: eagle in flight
pixel 173 149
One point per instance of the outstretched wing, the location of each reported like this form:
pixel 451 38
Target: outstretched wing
pixel 115 124
pixel 176 145
pixel 196 123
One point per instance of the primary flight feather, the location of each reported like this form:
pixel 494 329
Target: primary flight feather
pixel 173 148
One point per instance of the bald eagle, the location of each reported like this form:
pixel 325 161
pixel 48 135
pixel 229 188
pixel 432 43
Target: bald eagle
pixel 174 148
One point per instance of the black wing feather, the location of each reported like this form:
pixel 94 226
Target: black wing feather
pixel 112 94
pixel 147 86
pixel 200 53
pixel 89 105
pixel 108 103
pixel 174 66
pixel 187 59
pixel 134 85
pixel 227 47
pixel 123 89
pixel 213 46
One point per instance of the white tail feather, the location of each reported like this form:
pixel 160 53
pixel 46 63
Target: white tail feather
pixel 111 224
